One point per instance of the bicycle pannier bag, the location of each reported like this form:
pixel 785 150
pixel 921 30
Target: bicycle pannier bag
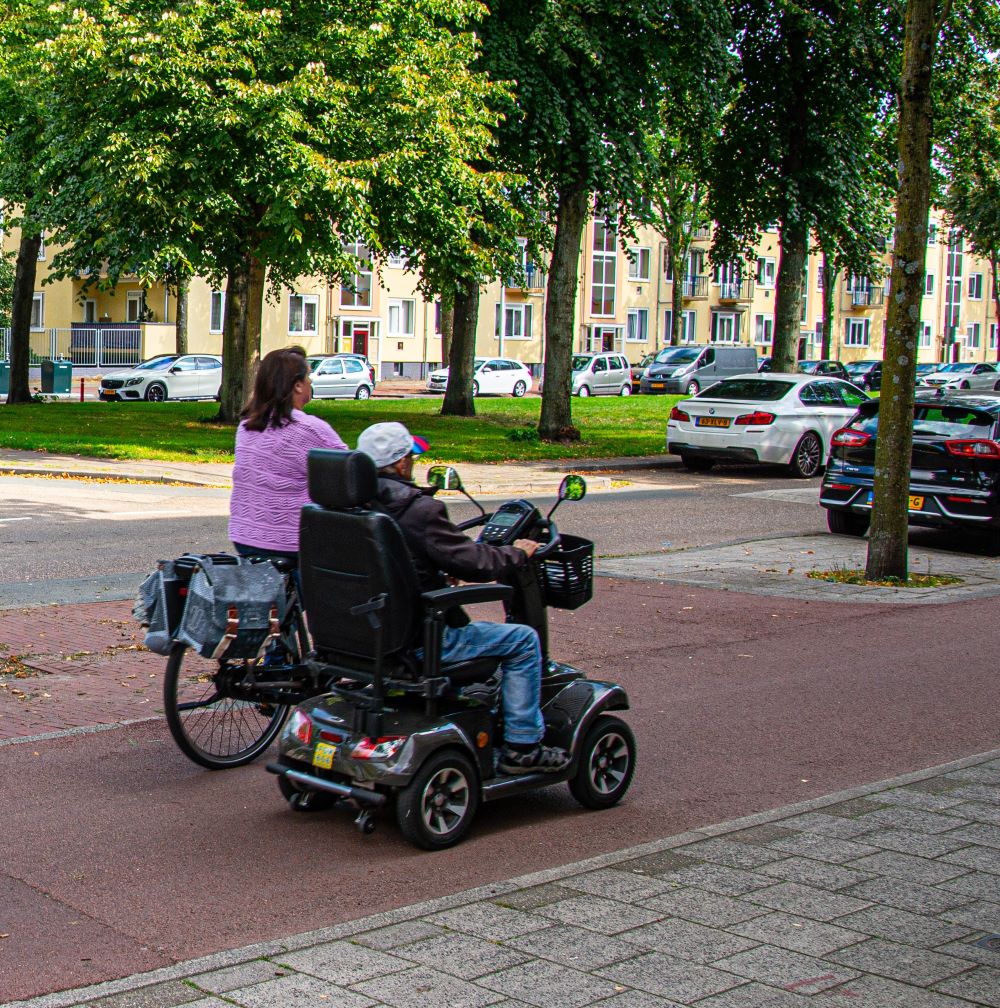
pixel 233 608
pixel 160 602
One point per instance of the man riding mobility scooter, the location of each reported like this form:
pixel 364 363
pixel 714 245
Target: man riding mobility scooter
pixel 396 723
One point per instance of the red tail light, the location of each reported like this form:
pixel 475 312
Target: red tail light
pixel 974 449
pixel 381 748
pixel 301 727
pixel 848 438
pixel 756 419
pixel 678 414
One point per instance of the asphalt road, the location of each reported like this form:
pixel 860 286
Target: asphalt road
pixel 118 855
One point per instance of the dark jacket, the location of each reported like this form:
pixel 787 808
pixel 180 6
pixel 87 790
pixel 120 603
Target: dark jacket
pixel 437 547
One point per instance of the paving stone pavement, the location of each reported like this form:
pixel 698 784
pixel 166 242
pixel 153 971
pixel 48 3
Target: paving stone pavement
pixel 884 896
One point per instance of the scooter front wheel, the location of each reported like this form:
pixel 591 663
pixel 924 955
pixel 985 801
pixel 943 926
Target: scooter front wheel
pixel 435 810
pixel 210 727
pixel 607 763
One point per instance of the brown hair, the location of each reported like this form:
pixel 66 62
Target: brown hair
pixel 270 402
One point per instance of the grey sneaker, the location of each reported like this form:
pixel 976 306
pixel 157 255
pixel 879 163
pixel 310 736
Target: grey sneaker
pixel 541 759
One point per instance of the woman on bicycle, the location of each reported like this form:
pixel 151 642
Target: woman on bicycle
pixel 272 444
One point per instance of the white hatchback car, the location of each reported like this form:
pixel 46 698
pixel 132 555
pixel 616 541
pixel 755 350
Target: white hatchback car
pixel 490 376
pixel 341 376
pixel 772 417
pixel 189 376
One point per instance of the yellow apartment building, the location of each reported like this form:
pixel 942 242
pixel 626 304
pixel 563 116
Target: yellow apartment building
pixel 624 303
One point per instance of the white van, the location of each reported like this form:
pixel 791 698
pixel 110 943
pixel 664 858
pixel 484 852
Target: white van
pixel 689 369
pixel 601 374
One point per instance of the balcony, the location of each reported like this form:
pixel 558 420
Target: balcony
pixel 531 281
pixel 863 297
pixel 694 287
pixel 736 290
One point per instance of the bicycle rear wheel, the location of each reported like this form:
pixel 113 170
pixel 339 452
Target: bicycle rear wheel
pixel 210 727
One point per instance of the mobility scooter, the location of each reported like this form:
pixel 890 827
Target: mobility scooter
pixel 398 727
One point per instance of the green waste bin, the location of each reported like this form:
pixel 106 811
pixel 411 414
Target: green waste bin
pixel 57 376
pixel 4 377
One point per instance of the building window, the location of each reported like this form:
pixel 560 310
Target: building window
pixel 763 330
pixel 668 319
pixel 217 312
pixel 437 318
pixel 766 272
pixel 668 272
pixel 303 314
pixel 928 283
pixel 972 333
pixel 401 316
pixel 89 310
pixel 135 306
pixel 41 248
pixel 604 272
pixel 397 261
pixel 689 327
pixel 924 336
pixel 856 332
pixel 38 311
pixel 975 286
pixel 517 321
pixel 725 327
pixel 993 335
pixel 637 327
pixel 356 290
pixel 932 234
pixel 638 264
pixel 728 277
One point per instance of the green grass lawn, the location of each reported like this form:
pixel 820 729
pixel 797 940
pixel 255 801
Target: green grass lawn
pixel 635 425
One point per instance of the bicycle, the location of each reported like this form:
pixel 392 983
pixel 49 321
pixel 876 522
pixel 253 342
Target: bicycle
pixel 224 714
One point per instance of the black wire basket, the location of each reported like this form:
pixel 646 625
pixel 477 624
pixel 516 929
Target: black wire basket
pixel 567 574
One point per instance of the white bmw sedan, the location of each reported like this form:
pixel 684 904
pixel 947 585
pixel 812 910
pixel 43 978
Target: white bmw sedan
pixel 772 417
pixel 490 376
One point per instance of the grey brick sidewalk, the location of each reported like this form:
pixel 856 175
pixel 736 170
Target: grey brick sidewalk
pixel 885 896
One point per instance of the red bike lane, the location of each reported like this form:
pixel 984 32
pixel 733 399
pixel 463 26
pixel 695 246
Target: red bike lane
pixel 119 855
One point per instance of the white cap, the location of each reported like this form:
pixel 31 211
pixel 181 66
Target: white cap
pixel 389 442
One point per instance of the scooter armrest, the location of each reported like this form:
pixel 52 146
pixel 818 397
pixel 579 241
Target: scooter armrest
pixel 444 599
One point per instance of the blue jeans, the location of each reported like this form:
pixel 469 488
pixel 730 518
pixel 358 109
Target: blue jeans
pixel 521 670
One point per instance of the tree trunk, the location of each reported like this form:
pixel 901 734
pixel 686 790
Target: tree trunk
pixel 181 319
pixel 830 274
pixel 20 318
pixel 458 397
pixel 788 301
pixel 677 296
pixel 241 336
pixel 556 421
pixel 887 545
pixel 447 327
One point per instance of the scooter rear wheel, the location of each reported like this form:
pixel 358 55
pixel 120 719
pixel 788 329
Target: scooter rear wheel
pixel 607 763
pixel 436 809
pixel 213 729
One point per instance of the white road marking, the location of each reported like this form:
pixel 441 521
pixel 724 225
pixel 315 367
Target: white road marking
pixel 4 520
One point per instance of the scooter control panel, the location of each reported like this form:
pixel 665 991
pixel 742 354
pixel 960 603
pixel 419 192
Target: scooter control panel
pixel 509 522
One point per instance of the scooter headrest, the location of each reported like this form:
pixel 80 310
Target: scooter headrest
pixel 341 479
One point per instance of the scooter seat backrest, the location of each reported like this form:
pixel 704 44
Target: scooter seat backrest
pixel 349 555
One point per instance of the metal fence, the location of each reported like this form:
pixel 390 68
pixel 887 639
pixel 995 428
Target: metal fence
pixel 100 346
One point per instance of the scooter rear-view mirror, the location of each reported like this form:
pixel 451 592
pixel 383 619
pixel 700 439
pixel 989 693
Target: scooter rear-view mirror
pixel 572 487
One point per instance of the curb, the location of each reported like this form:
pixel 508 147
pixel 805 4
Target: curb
pixel 235 957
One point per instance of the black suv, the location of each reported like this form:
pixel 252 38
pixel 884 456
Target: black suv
pixel 954 466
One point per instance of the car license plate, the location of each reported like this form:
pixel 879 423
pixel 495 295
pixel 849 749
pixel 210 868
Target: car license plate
pixel 323 755
pixel 657 384
pixel 914 503
pixel 711 421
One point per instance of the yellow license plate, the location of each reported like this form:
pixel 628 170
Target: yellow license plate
pixel 657 384
pixel 712 421
pixel 323 755
pixel 916 503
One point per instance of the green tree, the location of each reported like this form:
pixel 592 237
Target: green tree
pixel 247 141
pixel 590 78
pixel 797 148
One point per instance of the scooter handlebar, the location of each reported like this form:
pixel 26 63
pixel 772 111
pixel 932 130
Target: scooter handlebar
pixel 545 549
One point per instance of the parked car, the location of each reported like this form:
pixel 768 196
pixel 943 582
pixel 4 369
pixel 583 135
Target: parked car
pixel 774 417
pixel 866 374
pixel 168 376
pixel 764 364
pixel 926 369
pixel 341 376
pixel 601 374
pixel 490 376
pixel 689 369
pixel 829 368
pixel 638 370
pixel 963 375
pixel 954 466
